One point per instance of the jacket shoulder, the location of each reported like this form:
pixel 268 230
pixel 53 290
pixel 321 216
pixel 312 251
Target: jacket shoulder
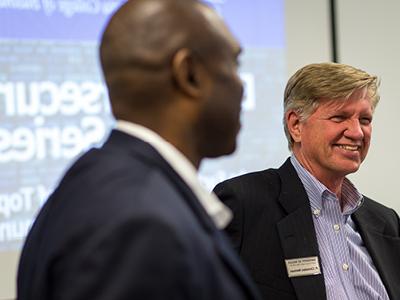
pixel 268 180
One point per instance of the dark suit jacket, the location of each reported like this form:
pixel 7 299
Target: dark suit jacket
pixel 123 225
pixel 273 222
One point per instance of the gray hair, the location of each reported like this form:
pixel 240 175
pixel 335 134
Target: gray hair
pixel 309 84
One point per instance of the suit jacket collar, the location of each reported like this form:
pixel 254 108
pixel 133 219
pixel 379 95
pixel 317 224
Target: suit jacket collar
pixel 297 233
pixel 136 147
pixel 293 195
pixel 368 221
pixel 220 214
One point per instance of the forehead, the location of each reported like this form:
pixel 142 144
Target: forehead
pixel 360 99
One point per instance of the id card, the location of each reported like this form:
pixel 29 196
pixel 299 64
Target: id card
pixel 303 266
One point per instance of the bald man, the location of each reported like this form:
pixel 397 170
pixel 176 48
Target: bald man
pixel 130 220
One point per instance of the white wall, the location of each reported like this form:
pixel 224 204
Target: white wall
pixel 308 33
pixel 369 39
pixel 8 270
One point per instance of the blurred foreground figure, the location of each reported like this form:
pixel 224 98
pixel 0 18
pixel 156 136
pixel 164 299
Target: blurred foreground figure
pixel 304 230
pixel 130 220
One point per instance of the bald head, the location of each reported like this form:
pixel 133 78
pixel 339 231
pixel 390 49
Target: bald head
pixel 140 41
pixel 144 32
pixel 171 65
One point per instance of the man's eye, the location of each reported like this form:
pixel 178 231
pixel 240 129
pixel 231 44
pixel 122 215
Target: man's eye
pixel 337 119
pixel 365 121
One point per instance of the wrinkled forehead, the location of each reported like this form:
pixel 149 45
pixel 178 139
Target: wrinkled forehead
pixel 218 26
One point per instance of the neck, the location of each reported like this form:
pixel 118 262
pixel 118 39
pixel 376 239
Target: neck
pixel 334 185
pixel 332 181
pixel 183 141
pixel 175 128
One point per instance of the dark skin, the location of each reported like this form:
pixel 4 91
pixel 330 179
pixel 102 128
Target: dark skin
pixel 161 59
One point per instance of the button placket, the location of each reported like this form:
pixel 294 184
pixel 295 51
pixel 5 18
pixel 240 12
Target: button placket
pixel 336 221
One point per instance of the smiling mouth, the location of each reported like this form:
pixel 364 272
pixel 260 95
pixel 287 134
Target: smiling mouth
pixel 350 147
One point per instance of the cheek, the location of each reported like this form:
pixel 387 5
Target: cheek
pixel 217 130
pixel 228 98
pixel 367 134
pixel 314 136
pixel 367 141
pixel 233 91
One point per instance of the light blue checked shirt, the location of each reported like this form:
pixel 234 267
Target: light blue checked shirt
pixel 348 269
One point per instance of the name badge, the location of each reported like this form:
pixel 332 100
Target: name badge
pixel 303 266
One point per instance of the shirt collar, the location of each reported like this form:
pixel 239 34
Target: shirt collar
pixel 220 214
pixel 315 190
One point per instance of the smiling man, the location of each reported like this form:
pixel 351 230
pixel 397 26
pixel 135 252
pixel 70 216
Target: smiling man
pixel 304 230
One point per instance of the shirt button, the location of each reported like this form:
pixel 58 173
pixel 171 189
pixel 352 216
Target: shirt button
pixel 316 212
pixel 336 227
pixel 345 267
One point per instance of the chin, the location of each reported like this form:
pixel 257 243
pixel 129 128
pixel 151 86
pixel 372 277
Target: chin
pixel 349 169
pixel 221 150
pixel 231 148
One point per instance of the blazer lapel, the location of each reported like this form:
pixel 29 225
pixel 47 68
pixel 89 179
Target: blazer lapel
pixel 149 154
pixel 222 246
pixel 384 249
pixel 297 233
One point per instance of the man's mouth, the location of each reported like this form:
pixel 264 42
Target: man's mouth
pixel 349 147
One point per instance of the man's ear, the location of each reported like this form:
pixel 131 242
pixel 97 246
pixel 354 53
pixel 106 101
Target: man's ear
pixel 187 72
pixel 293 125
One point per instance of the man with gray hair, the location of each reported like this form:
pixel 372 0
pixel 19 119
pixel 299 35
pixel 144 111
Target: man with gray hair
pixel 304 230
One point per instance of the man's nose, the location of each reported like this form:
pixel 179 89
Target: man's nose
pixel 354 129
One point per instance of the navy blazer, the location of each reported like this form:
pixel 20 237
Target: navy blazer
pixel 123 225
pixel 273 222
